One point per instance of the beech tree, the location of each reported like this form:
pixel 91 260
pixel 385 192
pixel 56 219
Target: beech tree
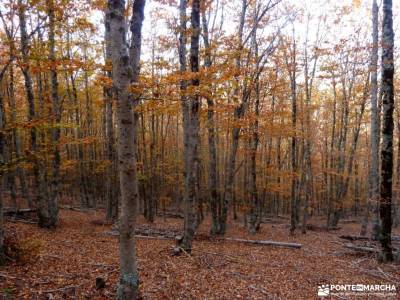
pixel 191 127
pixel 385 208
pixel 125 70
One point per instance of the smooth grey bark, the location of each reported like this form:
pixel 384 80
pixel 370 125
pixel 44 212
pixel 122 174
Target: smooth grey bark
pixel 387 68
pixel 125 70
pixel 192 129
pixel 112 193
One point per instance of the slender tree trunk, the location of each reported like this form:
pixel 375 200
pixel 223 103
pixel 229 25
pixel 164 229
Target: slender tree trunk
pixel 56 132
pixel 294 217
pixel 38 164
pixel 17 141
pixel 112 193
pixel 192 129
pixel 2 163
pixel 374 170
pixel 124 72
pixel 255 204
pixel 385 208
pixel 238 114
pixel 212 148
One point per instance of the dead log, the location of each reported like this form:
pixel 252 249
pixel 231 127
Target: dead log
pixel 12 220
pixel 266 243
pixel 9 211
pixel 78 208
pixel 171 214
pixel 318 228
pixel 354 237
pixel 361 249
pixel 174 237
pixel 364 238
pixel 350 221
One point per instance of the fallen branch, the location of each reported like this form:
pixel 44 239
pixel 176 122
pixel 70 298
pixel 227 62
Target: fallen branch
pixel 365 238
pixel 256 242
pixel 9 211
pixel 349 221
pixel 138 236
pixel 313 227
pixel 354 237
pixel 171 214
pixel 22 221
pixel 360 248
pixel 266 243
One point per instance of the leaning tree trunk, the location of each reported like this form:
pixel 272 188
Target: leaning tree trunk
pixel 385 208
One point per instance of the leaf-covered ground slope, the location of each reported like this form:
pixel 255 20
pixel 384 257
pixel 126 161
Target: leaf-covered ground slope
pixel 79 251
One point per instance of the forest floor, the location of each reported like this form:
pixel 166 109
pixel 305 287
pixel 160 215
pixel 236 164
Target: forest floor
pixel 71 257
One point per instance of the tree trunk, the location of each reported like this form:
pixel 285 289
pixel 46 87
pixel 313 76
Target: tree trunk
pixel 56 131
pixel 38 164
pixel 212 148
pixel 2 163
pixel 255 205
pixel 238 114
pixel 385 208
pixel 192 131
pixel 112 193
pixel 294 216
pixel 374 169
pixel 124 72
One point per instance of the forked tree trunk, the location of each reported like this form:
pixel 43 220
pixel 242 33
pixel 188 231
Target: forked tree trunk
pixel 126 70
pixel 385 208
